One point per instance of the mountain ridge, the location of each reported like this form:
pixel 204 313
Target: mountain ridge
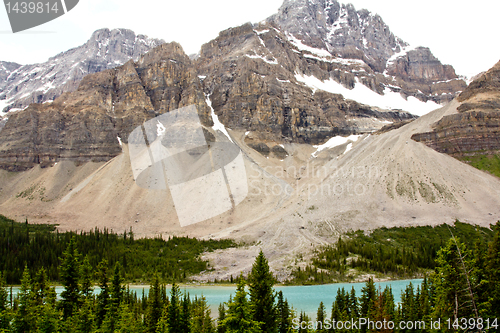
pixel 43 82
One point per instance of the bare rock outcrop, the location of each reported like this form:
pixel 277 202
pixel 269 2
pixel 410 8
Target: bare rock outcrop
pixel 475 129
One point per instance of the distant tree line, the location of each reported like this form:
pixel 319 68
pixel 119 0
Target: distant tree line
pixel 41 246
pixel 399 252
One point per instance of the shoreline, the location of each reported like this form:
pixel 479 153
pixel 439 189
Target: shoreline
pixel 204 285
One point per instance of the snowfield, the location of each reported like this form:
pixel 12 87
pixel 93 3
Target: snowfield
pixel 363 94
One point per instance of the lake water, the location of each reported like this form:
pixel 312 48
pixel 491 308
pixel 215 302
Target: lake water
pixel 301 298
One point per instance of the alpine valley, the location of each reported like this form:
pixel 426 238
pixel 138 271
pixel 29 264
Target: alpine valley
pixel 342 125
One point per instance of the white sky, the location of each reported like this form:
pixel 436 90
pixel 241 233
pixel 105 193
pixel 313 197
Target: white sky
pixel 463 36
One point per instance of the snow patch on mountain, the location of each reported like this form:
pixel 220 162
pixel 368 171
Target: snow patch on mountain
pixel 364 95
pixel 218 126
pixel 3 105
pixel 256 56
pixel 335 142
pixel 349 147
pixel 301 46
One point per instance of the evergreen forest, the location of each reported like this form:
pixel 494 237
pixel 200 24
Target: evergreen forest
pixel 396 253
pixel 461 292
pixel 41 246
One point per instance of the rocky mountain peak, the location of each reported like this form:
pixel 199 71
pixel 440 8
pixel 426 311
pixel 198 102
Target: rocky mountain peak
pixel 43 82
pixel 419 65
pixel 315 70
pixel 340 33
pixel 6 68
pixel 341 29
pixel 485 86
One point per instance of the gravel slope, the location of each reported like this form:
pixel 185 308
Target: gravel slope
pixel 292 206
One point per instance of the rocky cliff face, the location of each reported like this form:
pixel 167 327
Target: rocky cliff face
pixel 475 128
pixel 89 123
pixel 346 33
pixel 251 74
pixel 38 83
pixel 246 92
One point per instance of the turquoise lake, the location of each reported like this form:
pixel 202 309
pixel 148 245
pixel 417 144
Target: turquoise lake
pixel 301 298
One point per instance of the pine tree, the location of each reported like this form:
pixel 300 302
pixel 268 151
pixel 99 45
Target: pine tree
pixel 70 269
pixel 320 318
pixel 116 290
pixel 201 321
pixel 43 304
pixel 388 304
pixel 103 297
pixel 383 310
pixel 284 314
pixel 48 320
pixel 185 315
pixel 222 316
pixel 303 323
pixel 353 306
pixel 261 283
pixel 493 271
pixel 5 313
pixel 40 287
pixel 154 305
pixel 368 295
pixel 85 318
pixel 424 300
pixel 367 300
pixel 86 278
pixel 408 311
pixel 481 277
pixel 174 311
pixel 340 307
pixel 126 321
pixel 115 299
pixel 453 297
pixel 23 321
pixel 238 315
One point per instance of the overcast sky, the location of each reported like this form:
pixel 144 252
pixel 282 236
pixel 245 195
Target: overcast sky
pixel 463 36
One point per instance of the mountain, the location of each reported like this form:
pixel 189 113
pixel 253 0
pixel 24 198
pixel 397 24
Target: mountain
pixel 294 204
pixel 38 83
pixel 87 124
pixel 257 81
pixel 246 90
pixel 474 129
pixel 303 100
pixel 346 34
